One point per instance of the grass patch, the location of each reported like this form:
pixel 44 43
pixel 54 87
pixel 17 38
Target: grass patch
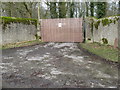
pixel 20 44
pixel 105 51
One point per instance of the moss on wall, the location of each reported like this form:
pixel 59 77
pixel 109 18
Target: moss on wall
pixel 91 25
pixel 8 20
pixel 105 41
pixel 96 24
pixel 37 37
pixel 110 21
pixel 105 21
pixel 117 18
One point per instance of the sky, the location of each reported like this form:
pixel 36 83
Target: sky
pixel 59 0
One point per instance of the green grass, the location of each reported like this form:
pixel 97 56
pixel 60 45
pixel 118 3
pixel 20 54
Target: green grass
pixel 20 44
pixel 105 51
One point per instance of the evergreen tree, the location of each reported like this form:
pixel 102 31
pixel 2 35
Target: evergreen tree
pixel 53 10
pixel 87 9
pixel 119 8
pixel 62 9
pixel 101 9
pixel 72 9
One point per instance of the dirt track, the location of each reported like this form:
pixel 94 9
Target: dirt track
pixel 55 65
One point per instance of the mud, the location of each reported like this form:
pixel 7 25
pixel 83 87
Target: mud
pixel 55 65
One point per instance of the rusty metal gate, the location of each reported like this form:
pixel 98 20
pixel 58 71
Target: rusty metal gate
pixel 62 30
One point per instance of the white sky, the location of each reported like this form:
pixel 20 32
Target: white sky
pixel 60 0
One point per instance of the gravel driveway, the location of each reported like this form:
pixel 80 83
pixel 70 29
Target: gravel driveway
pixel 55 65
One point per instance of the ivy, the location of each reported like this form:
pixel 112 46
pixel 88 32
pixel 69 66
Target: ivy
pixel 116 18
pixel 91 24
pixel 105 22
pixel 110 21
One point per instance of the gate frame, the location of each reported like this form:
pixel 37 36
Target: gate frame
pixel 82 29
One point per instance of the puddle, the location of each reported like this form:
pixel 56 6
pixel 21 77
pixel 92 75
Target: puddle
pixel 75 58
pixel 55 71
pixel 102 75
pixel 24 52
pixel 48 45
pixel 58 45
pixel 7 57
pixel 35 58
pixel 6 67
pixel 4 64
pixel 47 65
pixel 38 58
pixel 47 76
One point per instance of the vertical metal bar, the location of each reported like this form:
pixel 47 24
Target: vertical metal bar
pixel 84 31
pixel 43 31
pixel 50 30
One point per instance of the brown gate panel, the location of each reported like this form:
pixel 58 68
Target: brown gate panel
pixel 62 30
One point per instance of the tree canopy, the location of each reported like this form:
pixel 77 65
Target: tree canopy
pixel 59 9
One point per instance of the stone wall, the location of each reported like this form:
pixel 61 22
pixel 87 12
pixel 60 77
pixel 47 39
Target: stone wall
pixel 13 30
pixel 17 32
pixel 0 35
pixel 105 29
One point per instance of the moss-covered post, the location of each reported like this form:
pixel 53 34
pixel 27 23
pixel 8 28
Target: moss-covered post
pixel 38 23
pixel 119 45
pixel 0 12
pixel 119 31
pixel 84 30
pixel 1 45
pixel 92 28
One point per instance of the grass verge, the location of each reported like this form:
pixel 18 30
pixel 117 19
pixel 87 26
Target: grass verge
pixel 104 51
pixel 20 44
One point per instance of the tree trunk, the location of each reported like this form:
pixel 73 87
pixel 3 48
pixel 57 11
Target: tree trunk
pixel 92 9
